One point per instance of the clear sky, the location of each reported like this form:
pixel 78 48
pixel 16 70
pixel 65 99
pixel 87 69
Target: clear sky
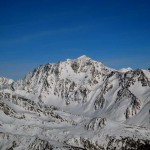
pixel 35 32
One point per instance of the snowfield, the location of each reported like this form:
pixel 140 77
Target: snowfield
pixel 77 104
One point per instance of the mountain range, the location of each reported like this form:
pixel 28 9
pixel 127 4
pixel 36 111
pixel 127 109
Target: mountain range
pixel 78 104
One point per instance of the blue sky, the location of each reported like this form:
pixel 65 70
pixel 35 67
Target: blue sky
pixel 35 32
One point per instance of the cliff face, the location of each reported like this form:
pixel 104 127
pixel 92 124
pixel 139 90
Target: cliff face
pixel 76 104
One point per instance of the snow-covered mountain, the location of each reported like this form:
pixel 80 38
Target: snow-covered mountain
pixel 76 104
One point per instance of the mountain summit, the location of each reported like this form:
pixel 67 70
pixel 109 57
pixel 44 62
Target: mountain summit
pixel 76 104
pixel 83 57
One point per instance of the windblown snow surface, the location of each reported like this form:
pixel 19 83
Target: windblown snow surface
pixel 75 105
